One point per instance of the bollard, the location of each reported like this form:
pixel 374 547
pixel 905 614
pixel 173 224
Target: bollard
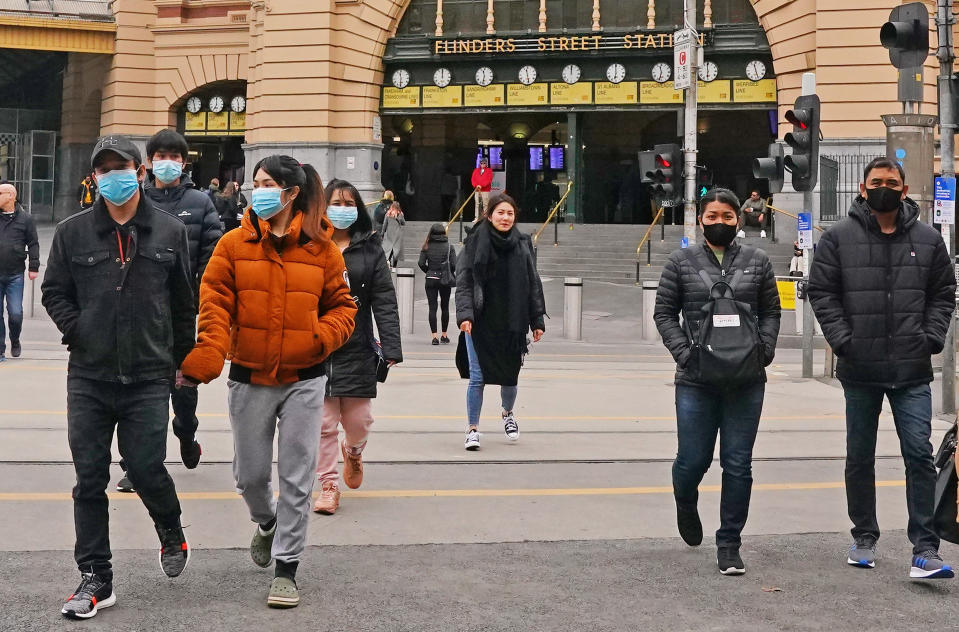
pixel 573 312
pixel 649 304
pixel 405 278
pixel 31 298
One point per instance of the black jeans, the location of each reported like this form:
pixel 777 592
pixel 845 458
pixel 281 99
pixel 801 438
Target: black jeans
pixel 139 413
pixel 184 401
pixel 733 414
pixel 912 412
pixel 436 292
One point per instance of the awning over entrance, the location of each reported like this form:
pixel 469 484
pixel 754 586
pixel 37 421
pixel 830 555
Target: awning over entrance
pixel 76 26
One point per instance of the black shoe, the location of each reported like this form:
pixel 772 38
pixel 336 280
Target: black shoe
pixel 730 563
pixel 92 594
pixel 435 342
pixel 174 550
pixel 690 526
pixel 15 349
pixel 444 340
pixel 124 485
pixel 190 452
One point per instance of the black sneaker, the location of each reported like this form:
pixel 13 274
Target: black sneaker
pixel 124 485
pixel 174 550
pixel 92 594
pixel 690 526
pixel 15 349
pixel 435 342
pixel 444 340
pixel 190 452
pixel 730 563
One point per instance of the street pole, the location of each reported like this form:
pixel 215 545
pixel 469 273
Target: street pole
pixel 689 130
pixel 947 130
pixel 809 206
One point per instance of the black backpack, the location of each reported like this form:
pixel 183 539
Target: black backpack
pixel 726 350
pixel 945 516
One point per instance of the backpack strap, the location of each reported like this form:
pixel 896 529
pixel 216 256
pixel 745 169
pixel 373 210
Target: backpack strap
pixel 698 266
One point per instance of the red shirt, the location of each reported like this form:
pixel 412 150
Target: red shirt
pixel 482 178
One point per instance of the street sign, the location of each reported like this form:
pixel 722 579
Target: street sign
pixel 683 52
pixel 944 208
pixel 805 231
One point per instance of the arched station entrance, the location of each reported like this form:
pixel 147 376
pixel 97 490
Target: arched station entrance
pixel 213 120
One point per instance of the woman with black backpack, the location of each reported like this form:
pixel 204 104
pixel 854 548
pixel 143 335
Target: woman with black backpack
pixel 727 296
pixel 438 261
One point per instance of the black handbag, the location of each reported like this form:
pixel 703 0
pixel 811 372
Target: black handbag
pixel 382 364
pixel 462 357
pixel 946 483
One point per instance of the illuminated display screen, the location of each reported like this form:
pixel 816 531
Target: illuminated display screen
pixel 557 158
pixel 536 158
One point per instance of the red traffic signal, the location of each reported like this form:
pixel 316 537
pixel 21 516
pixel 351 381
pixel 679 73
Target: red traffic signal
pixel 803 163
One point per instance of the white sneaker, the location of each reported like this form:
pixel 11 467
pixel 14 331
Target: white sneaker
pixel 510 427
pixel 741 234
pixel 472 440
pixel 762 234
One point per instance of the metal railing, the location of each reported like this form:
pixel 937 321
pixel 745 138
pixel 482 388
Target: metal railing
pixel 788 214
pixel 839 183
pixel 459 215
pixel 646 242
pixel 553 215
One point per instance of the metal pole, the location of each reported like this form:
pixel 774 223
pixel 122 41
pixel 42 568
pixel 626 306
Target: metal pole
pixel 809 206
pixel 947 130
pixel 556 229
pixel 689 131
pixel 404 293
pixel 573 312
pixel 649 305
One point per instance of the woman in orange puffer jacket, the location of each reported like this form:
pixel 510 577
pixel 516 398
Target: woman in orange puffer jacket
pixel 275 299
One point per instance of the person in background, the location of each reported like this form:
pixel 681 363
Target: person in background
pixel 87 192
pixel 382 207
pixel 392 234
pixel 797 265
pixel 18 241
pixel 482 181
pixel 214 188
pixel 754 213
pixel 438 262
pixel 352 376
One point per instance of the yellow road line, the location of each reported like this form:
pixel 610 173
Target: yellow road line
pixel 468 493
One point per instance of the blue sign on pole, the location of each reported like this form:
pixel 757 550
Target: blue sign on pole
pixel 944 201
pixel 805 231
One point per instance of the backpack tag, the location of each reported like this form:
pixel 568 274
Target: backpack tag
pixel 726 320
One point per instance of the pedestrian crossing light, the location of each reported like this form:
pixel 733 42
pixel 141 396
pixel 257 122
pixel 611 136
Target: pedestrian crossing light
pixel 906 35
pixel 771 168
pixel 666 171
pixel 804 140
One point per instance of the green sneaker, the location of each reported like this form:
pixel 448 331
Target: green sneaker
pixel 261 546
pixel 283 593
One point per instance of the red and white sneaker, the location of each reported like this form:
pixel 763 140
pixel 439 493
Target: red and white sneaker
pixel 90 596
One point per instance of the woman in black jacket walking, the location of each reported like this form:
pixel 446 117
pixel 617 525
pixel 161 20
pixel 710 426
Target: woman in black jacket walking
pixel 499 300
pixel 438 261
pixel 705 408
pixel 352 369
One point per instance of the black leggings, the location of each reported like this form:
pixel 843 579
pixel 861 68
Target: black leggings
pixel 434 291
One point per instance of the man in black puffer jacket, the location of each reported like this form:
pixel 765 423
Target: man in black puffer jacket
pixel 883 290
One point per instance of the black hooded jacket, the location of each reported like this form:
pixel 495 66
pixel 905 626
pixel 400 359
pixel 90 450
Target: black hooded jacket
pixel 195 209
pixel 438 255
pixel 884 301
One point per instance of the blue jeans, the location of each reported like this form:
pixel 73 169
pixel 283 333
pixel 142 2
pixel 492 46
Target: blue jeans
pixel 733 415
pixel 11 290
pixel 912 413
pixel 474 392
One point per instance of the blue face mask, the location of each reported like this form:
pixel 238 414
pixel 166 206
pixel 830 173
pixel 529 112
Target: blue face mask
pixel 118 186
pixel 167 171
pixel 342 217
pixel 267 202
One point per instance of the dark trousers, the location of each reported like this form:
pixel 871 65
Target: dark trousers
pixel 438 294
pixel 733 415
pixel 11 293
pixel 139 413
pixel 912 412
pixel 184 401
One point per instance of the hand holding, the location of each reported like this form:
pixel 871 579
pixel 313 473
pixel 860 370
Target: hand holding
pixel 33 275
pixel 182 382
pixel 467 327
pixel 537 335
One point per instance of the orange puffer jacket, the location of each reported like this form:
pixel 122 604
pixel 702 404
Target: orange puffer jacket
pixel 276 315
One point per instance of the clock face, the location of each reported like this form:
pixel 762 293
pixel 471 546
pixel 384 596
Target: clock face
pixel 527 75
pixel 616 73
pixel 662 72
pixel 442 77
pixel 238 104
pixel 484 76
pixel 401 78
pixel 193 104
pixel 572 73
pixel 708 71
pixel 755 70
pixel 216 104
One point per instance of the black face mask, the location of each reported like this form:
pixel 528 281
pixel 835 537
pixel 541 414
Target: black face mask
pixel 719 234
pixel 883 199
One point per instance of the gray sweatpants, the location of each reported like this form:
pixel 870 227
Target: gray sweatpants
pixel 256 413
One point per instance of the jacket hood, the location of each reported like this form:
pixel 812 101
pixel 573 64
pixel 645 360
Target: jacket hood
pixel 150 182
pixel 860 211
pixel 438 232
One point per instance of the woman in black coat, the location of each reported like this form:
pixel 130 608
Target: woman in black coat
pixel 499 300
pixel 352 369
pixel 438 261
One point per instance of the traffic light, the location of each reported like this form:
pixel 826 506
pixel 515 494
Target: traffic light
pixel 906 35
pixel 647 164
pixel 804 140
pixel 771 168
pixel 666 172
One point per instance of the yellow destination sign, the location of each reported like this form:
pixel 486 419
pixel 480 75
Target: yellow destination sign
pixel 625 93
pixel 535 94
pixel 713 92
pixel 576 94
pixel 654 93
pixel 763 91
pixel 405 98
pixel 218 122
pixel 482 97
pixel 237 121
pixel 195 122
pixel 448 97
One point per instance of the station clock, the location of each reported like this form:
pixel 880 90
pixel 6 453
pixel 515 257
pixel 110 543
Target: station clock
pixel 238 104
pixel 484 76
pixel 216 104
pixel 616 73
pixel 193 104
pixel 755 70
pixel 527 75
pixel 708 71
pixel 401 78
pixel 662 72
pixel 572 73
pixel 442 77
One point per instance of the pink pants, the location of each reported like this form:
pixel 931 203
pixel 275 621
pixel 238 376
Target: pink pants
pixel 355 414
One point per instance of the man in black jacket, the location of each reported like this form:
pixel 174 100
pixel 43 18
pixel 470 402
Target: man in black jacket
pixel 172 191
pixel 883 289
pixel 18 237
pixel 118 287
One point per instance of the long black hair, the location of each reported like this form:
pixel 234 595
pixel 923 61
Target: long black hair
pixel 363 223
pixel 437 234
pixel 289 172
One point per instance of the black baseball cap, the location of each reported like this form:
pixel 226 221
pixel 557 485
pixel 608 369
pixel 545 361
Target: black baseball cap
pixel 118 144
